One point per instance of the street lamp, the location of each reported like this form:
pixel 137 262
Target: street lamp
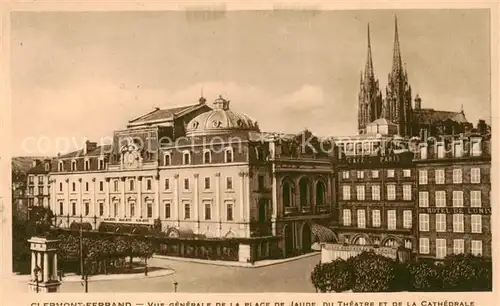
pixel 175 286
pixel 36 272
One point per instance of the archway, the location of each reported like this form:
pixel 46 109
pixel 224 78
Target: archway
pixel 305 192
pixel 288 237
pixel 320 193
pixel 391 241
pixel 306 237
pixel 361 240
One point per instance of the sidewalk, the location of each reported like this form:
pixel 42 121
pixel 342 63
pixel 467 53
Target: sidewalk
pixel 257 264
pixel 102 277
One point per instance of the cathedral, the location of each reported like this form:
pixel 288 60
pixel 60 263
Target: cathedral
pixel 395 111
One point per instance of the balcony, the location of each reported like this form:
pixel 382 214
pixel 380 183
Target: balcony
pixel 261 228
pixel 306 210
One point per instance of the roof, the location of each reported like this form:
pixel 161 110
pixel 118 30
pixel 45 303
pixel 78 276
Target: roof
pixel 23 164
pixel 431 116
pixel 100 150
pixel 162 114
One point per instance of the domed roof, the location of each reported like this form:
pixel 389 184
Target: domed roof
pixel 220 120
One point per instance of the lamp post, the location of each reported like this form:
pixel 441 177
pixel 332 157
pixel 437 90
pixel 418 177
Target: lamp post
pixel 36 272
pixel 175 286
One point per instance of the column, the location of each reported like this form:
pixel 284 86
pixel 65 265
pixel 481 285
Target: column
pixel 274 201
pixel 52 195
pixel 218 204
pixel 95 210
pixel 176 203
pixel 196 204
pixel 122 211
pixel 241 206
pixel 108 198
pixel 246 203
pixel 54 266
pixel 39 259
pixel 157 195
pixel 329 195
pixel 45 267
pixel 68 209
pixel 139 196
pixel 33 264
pixel 79 207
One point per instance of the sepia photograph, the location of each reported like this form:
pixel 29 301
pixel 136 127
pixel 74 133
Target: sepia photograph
pixel 256 151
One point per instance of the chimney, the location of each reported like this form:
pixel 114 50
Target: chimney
pixel 418 102
pixel 89 147
pixel 36 162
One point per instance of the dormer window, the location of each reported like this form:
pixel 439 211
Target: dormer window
pixel 167 159
pixel 73 165
pixel 476 147
pixel 47 167
pixel 61 166
pixel 186 158
pixel 207 157
pixel 87 164
pixel 229 155
pixel 101 163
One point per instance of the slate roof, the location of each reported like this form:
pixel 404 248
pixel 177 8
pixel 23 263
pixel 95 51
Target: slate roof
pixel 96 152
pixel 431 116
pixel 161 114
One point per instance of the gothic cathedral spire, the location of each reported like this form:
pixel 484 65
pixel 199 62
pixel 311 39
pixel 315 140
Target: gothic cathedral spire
pixel 398 91
pixel 370 97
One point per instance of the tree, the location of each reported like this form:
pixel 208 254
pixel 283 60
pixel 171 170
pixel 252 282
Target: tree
pixel 372 272
pixel 335 276
pixel 466 273
pixel 423 276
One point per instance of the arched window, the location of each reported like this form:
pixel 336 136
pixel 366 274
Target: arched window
pixel 287 194
pixel 87 164
pixel 207 157
pixel 305 192
pixel 390 243
pixel 186 158
pixel 61 166
pixel 132 208
pixel 166 159
pixel 320 193
pixel 229 155
pixel 360 241
pixel 73 165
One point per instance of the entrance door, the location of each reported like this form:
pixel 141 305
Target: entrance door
pixel 288 241
pixel 306 238
pixel 262 211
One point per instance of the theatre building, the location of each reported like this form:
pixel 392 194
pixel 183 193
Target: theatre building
pixel 454 211
pixel 199 172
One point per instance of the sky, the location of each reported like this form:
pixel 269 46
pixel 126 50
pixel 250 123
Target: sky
pixel 83 75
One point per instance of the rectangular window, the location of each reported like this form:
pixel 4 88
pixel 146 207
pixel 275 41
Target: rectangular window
pixel 149 209
pixel 422 177
pixel 167 184
pixel 407 192
pixel 391 219
pixel 115 185
pixel 345 175
pixel 407 219
pixel 374 173
pixel 439 175
pixel 440 150
pixel 476 147
pixel 361 218
pixel 101 186
pixel 440 248
pixel 60 187
pixel 457 176
pixel 261 182
pixel 423 152
pixel 31 190
pixel 31 179
pixel 360 192
pixel 376 222
pixel 87 208
pixel 208 211
pixel 458 198
pixel 187 211
pixel 346 217
pixel 40 179
pixel 475 198
pixel 391 192
pixel 40 190
pixel 86 186
pixel 376 192
pixel 101 209
pixel 229 212
pixel 458 223
pixel 476 247
pixel 440 223
pixel 440 199
pixel 423 199
pixel 207 183
pixel 390 173
pixel 229 183
pixel 346 192
pixel 406 172
pixel 74 186
pixel 73 208
pixel 131 183
pixel 475 175
pixel 476 223
pixel 361 174
pixel 148 184
pixel 61 208
pixel 186 184
pixel 458 246
pixel 167 210
pixel 423 222
pixel 424 245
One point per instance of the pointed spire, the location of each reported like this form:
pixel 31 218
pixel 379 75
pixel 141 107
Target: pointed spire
pixel 369 74
pixel 396 59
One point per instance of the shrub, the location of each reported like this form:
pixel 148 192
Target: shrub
pixel 423 276
pixel 335 276
pixel 372 272
pixel 466 273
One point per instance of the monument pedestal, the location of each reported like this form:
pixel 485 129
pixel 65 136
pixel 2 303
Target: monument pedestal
pixel 43 265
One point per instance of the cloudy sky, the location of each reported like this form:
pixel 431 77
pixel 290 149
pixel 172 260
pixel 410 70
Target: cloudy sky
pixel 77 75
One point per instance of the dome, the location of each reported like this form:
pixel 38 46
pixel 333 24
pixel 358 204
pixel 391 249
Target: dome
pixel 220 120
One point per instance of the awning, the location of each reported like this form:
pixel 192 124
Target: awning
pixel 322 233
pixel 125 228
pixel 180 233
